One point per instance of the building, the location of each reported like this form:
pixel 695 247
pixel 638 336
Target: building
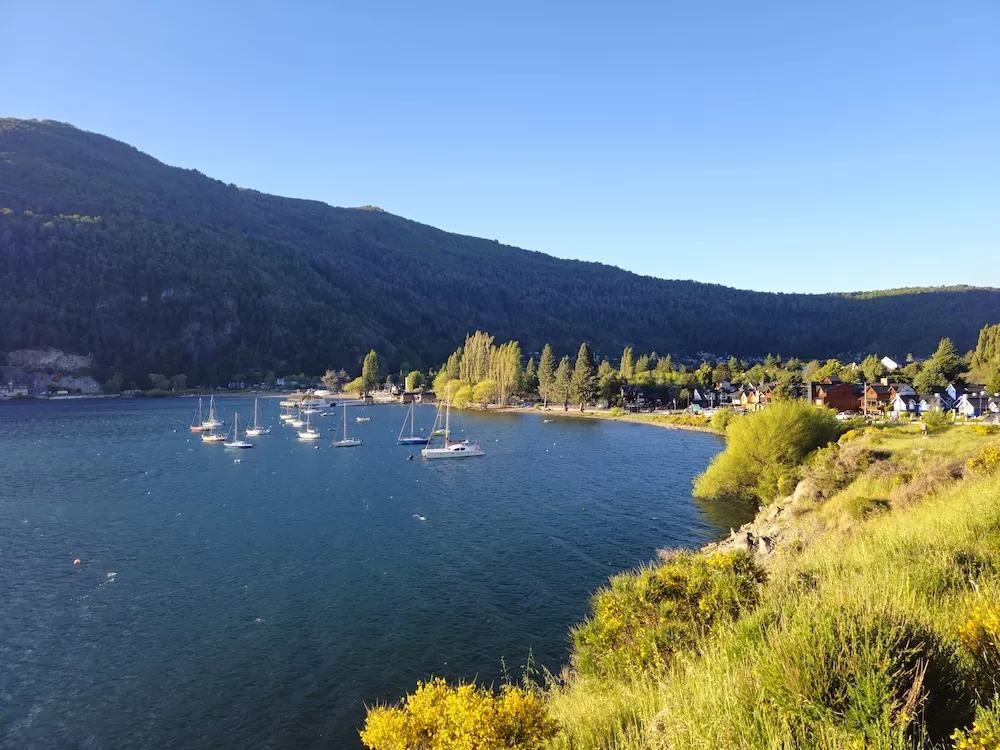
pixel 838 396
pixel 890 364
pixel 977 405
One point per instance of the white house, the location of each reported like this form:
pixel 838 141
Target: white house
pixel 907 404
pixel 889 364
pixel 976 405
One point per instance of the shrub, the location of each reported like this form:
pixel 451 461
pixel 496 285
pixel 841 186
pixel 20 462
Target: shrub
pixel 863 508
pixel 985 429
pixel 643 617
pixel 910 488
pixel 985 732
pixel 721 419
pixel 832 468
pixel 763 447
pixel 936 420
pixel 981 637
pixel 464 717
pixel 861 674
pixel 987 461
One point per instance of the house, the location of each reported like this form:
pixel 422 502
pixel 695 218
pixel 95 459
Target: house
pixel 427 397
pixel 901 389
pixel 875 398
pixel 977 405
pixel 636 398
pixel 906 404
pixel 932 402
pixel 890 364
pixel 838 396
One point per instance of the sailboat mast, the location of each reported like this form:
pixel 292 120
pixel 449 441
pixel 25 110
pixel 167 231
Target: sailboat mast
pixel 447 417
pixel 345 421
pixel 411 419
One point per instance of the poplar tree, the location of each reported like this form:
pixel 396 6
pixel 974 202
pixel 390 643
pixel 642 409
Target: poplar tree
pixel 627 367
pixel 563 380
pixel 546 374
pixel 584 383
pixel 370 372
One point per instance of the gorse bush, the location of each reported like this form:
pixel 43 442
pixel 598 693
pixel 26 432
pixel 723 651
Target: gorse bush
pixel 985 732
pixel 987 462
pixel 643 617
pixel 985 429
pixel 936 420
pixel 721 419
pixel 764 450
pixel 832 468
pixel 464 717
pixel 981 637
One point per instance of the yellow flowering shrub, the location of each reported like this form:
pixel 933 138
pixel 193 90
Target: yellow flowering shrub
pixel 987 461
pixel 985 732
pixel 462 717
pixel 981 636
pixel 644 616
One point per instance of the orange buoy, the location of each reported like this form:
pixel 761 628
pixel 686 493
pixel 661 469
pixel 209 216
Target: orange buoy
pixel 76 561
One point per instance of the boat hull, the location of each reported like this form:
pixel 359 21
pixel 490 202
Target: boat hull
pixel 438 453
pixel 349 443
pixel 413 441
pixel 241 444
pixel 257 433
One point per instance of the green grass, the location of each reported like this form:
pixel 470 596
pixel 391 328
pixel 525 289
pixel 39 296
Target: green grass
pixel 854 639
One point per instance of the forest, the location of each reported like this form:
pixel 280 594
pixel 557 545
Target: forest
pixel 149 268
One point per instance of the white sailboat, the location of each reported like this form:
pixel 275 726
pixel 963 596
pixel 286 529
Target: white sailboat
pixel 236 442
pixel 412 439
pixel 347 442
pixel 451 448
pixel 310 432
pixel 256 429
pixel 296 421
pixel 213 421
pixel 199 422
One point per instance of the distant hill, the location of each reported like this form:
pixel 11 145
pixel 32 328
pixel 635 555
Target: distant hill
pixel 149 268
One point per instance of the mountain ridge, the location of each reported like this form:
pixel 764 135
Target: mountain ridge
pixel 166 269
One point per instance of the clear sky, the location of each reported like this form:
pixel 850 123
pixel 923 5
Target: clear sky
pixel 786 146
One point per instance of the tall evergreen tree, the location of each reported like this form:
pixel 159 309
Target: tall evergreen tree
pixel 546 375
pixel 584 384
pixel 872 368
pixel 370 372
pixel 563 380
pixel 529 383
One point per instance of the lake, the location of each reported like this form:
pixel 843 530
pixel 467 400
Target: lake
pixel 264 602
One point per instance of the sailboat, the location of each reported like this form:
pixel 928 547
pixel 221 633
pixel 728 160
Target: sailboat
pixel 413 439
pixel 212 422
pixel 347 442
pixel 198 424
pixel 236 442
pixel 296 421
pixel 451 448
pixel 310 432
pixel 256 430
pixel 286 414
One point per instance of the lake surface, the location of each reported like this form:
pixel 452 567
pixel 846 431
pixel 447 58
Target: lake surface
pixel 264 603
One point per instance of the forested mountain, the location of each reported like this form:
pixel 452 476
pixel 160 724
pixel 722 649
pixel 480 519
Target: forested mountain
pixel 150 268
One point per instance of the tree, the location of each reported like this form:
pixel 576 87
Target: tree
pixel 114 383
pixel 529 382
pixel 764 450
pixel 370 372
pixel 179 382
pixel 942 368
pixel 476 357
pixel 463 396
pixel 755 374
pixel 627 367
pixel 584 386
pixel 355 386
pixel 334 379
pixel 811 372
pixel 485 392
pixel 563 379
pixel 872 368
pixel 704 375
pixel 641 365
pixel 546 375
pixel 505 371
pixel 454 365
pixel 609 383
pixel 415 380
pixel 440 383
pixel 831 369
pixel 722 372
pixel 159 382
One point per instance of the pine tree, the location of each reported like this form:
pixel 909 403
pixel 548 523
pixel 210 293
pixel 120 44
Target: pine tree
pixel 370 372
pixel 529 383
pixel 584 383
pixel 872 368
pixel 546 374
pixel 563 380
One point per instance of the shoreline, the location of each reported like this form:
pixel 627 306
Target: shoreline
pixel 651 419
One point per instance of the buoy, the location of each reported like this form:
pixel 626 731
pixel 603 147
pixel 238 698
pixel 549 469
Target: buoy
pixel 77 561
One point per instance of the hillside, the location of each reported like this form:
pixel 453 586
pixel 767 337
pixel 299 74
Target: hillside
pixel 108 252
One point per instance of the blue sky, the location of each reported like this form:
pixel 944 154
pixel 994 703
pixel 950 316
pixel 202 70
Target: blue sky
pixel 785 146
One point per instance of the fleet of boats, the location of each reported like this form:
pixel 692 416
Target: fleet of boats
pixel 292 413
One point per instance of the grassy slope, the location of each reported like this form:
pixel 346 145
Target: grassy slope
pixel 831 608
